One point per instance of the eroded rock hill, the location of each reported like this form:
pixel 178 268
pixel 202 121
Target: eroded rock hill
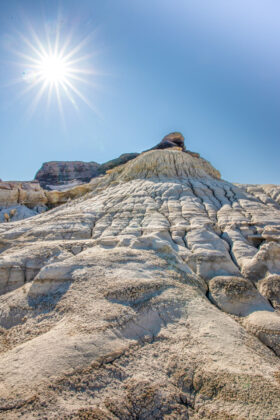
pixel 154 296
pixel 59 181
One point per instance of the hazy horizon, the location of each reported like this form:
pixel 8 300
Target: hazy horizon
pixel 140 70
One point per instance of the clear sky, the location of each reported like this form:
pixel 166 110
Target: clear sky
pixel 209 69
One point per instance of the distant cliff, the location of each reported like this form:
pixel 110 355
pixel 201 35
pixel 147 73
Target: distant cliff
pixel 55 173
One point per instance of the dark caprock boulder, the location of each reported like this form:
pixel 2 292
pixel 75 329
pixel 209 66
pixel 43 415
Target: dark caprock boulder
pixel 175 139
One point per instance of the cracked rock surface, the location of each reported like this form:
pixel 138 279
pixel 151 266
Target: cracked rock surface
pixel 153 296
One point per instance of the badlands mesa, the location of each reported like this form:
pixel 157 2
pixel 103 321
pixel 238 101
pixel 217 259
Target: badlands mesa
pixel 150 292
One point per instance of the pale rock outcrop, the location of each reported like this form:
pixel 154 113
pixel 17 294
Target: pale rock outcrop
pixel 19 200
pixel 152 295
pixel 19 212
pixel 237 296
pixel 26 193
pixel 270 288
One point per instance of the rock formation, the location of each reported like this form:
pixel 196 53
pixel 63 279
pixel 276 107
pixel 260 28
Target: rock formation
pixel 57 173
pixel 53 174
pixel 58 181
pixel 20 200
pixel 175 139
pixel 28 193
pixel 153 296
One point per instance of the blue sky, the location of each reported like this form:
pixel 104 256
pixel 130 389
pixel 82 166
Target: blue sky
pixel 209 69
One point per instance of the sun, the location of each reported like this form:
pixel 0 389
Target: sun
pixel 53 69
pixel 57 70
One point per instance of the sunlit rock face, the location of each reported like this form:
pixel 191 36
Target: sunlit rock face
pixel 21 200
pixel 28 193
pixel 155 295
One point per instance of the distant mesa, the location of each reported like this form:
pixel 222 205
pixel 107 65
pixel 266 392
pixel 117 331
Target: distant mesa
pixel 62 173
pixel 59 172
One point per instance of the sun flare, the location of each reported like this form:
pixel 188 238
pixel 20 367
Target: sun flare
pixel 55 69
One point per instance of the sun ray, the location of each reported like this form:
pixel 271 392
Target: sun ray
pixel 69 95
pixel 37 98
pixel 77 48
pixel 30 87
pixel 56 44
pixel 47 37
pixel 84 81
pixel 82 97
pixel 78 93
pixel 79 59
pixel 39 52
pixel 60 107
pixel 73 72
pixel 26 57
pixel 49 95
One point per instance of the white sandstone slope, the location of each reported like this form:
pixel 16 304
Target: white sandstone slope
pixel 154 296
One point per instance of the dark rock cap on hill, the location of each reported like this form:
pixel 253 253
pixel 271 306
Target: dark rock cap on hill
pixel 174 139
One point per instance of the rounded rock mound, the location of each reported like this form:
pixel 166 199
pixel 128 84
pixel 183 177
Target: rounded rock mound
pixel 170 163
